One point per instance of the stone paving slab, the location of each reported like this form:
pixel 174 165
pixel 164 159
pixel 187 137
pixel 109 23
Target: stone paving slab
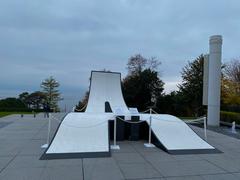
pixel 21 173
pixel 128 158
pixel 61 173
pixel 4 162
pixel 20 152
pixel 139 170
pixel 101 169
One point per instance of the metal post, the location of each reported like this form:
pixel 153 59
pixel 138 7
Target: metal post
pixel 149 144
pixel 49 130
pixel 205 127
pixel 115 146
pixel 115 132
pixel 150 126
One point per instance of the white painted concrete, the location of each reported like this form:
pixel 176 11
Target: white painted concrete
pixel 175 134
pixel 214 80
pixel 106 87
pixel 88 132
pixel 82 132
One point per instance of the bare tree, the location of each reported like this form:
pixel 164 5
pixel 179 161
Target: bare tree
pixel 136 64
pixel 231 83
pixel 154 63
pixel 232 70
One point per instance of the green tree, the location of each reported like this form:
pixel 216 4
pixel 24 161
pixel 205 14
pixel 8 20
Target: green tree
pixel 191 88
pixel 171 103
pixel 142 86
pixel 24 98
pixel 81 106
pixel 12 104
pixel 36 99
pixel 50 89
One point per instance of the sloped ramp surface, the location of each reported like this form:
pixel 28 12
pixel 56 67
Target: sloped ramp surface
pixel 80 135
pixel 175 136
pixel 105 87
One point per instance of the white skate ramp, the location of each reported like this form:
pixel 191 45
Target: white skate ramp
pixel 105 87
pixel 81 135
pixel 176 136
pixel 87 135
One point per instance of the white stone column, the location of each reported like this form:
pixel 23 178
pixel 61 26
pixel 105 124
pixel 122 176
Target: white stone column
pixel 214 80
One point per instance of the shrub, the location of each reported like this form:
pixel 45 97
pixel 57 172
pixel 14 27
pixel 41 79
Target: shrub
pixel 230 117
pixel 232 108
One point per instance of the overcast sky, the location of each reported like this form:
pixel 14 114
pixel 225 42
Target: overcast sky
pixel 69 38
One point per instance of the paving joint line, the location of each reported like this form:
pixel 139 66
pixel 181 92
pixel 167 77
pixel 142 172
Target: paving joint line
pixel 83 170
pixel 148 161
pixel 119 167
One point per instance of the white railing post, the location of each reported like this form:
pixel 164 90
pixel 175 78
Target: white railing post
pixel 205 127
pixel 115 146
pixel 149 144
pixel 150 127
pixel 49 130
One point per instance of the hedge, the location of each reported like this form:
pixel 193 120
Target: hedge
pixel 227 116
pixel 230 108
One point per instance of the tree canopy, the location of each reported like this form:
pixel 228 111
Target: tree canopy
pixel 231 83
pixel 12 104
pixel 50 89
pixel 142 86
pixel 191 87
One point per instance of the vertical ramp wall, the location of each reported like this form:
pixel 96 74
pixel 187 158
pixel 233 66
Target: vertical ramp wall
pixel 105 86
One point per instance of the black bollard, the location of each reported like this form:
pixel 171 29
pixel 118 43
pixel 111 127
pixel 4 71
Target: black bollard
pixel 134 130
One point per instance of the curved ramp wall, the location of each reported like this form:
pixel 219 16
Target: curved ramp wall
pixel 105 86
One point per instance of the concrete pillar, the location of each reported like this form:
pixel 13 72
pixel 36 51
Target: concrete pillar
pixel 214 80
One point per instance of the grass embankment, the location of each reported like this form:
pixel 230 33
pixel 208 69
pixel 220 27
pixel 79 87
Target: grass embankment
pixel 3 113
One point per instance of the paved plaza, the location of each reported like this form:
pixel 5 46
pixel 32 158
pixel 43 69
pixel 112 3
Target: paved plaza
pixel 21 138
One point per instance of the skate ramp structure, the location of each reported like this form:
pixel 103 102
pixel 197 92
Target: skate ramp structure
pixel 87 134
pixel 105 87
pixel 175 136
pixel 80 135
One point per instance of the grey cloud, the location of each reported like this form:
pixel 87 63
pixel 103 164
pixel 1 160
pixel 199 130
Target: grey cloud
pixel 67 39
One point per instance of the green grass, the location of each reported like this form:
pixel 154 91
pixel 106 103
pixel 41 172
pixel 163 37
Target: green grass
pixel 2 114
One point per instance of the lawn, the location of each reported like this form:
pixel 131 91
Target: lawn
pixel 2 114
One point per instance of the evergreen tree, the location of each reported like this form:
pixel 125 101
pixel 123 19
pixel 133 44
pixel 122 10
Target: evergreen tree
pixel 50 89
pixel 191 88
